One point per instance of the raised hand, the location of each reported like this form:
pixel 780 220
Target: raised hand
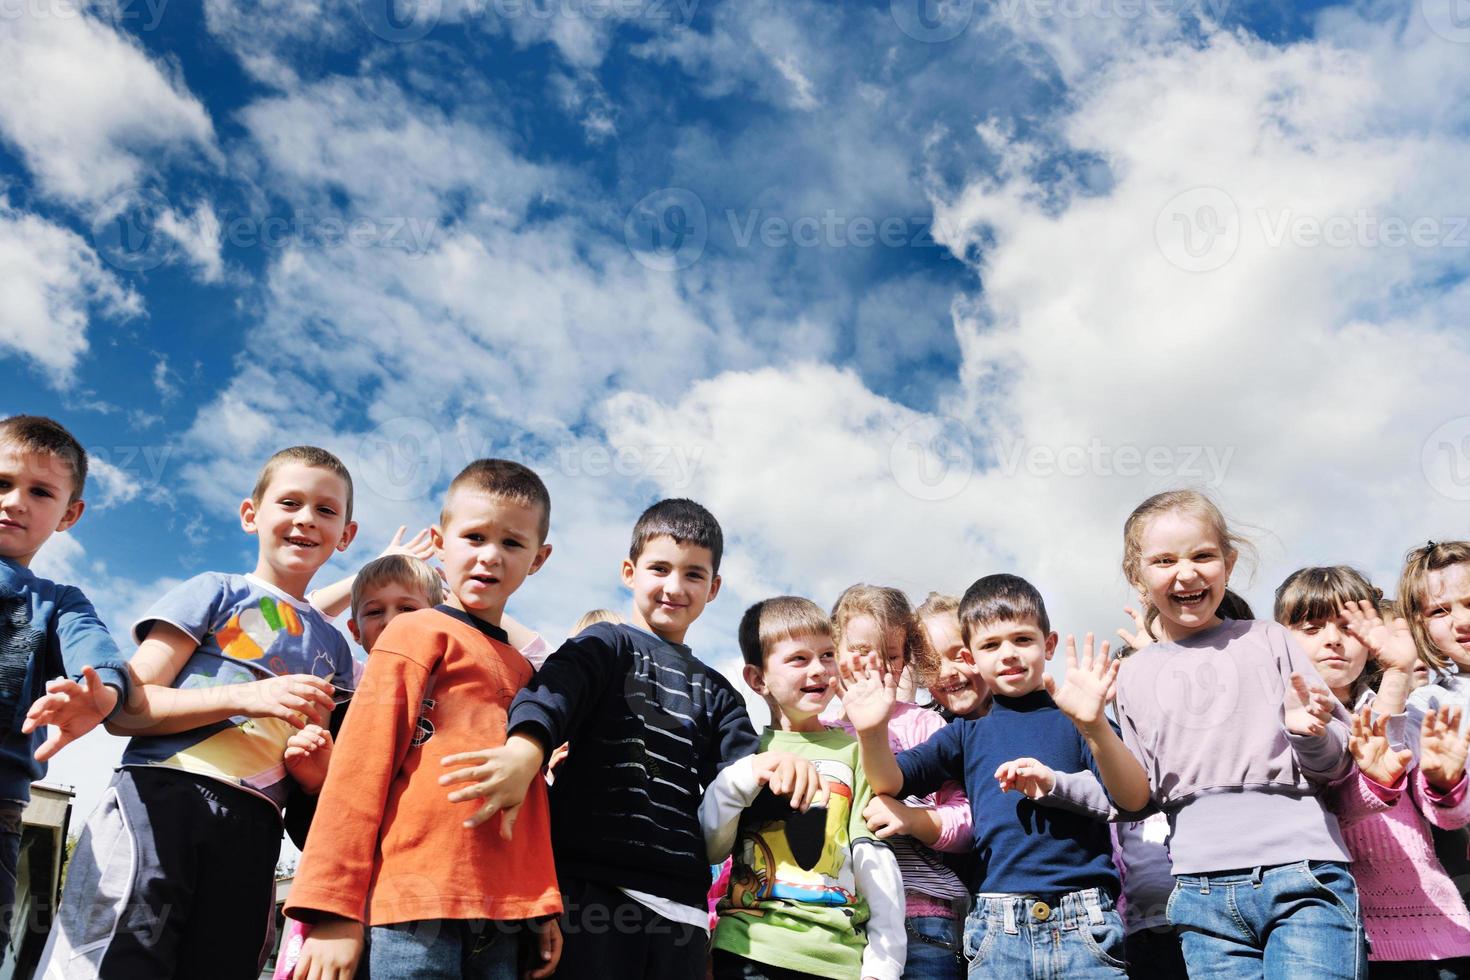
pixel 1090 683
pixel 308 753
pixel 1140 637
pixel 72 708
pixel 1368 744
pixel 868 693
pixel 1027 776
pixel 419 546
pixel 1307 708
pixel 1442 748
pixel 1392 645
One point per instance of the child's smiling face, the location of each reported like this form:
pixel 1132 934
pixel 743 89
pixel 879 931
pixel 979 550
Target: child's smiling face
pixel 380 606
pixel 1183 570
pixel 958 685
pixel 1011 655
pixel 300 520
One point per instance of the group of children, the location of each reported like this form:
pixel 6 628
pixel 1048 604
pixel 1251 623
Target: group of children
pixel 1278 798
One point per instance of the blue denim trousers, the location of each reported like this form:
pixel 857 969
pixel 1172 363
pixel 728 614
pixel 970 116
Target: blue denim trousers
pixel 934 948
pixel 1295 920
pixel 1027 936
pixel 447 949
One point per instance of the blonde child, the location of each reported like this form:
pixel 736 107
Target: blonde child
pixel 956 687
pixel 867 618
pixel 1239 738
pixel 1414 919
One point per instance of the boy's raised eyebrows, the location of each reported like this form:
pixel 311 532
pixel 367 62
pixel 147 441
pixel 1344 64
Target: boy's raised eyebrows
pixel 502 478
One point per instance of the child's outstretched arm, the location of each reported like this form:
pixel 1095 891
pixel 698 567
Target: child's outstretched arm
pixel 879 882
pixel 330 600
pixel 500 776
pixel 868 695
pixel 1084 693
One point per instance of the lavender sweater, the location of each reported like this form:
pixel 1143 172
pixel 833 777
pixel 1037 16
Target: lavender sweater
pixel 1204 715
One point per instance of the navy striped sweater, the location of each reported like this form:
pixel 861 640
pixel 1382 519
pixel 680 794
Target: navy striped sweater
pixel 650 727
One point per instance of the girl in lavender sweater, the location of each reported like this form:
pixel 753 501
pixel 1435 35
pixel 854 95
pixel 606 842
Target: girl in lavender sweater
pixel 1417 926
pixel 1239 736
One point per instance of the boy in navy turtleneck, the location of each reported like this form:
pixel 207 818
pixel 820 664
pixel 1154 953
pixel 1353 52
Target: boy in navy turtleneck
pixel 1044 882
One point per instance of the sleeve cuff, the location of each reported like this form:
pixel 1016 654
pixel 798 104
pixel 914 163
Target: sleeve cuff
pixel 114 675
pixel 1388 794
pixel 1452 797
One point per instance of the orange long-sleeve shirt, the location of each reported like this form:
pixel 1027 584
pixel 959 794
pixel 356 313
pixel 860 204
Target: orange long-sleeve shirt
pixel 386 844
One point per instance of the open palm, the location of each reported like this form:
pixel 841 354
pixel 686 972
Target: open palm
pixel 1391 644
pixel 868 694
pixel 1442 748
pixel 1089 685
pixel 1368 743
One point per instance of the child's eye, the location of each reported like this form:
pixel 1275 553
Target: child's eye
pixel 330 512
pixel 41 492
pixel 512 543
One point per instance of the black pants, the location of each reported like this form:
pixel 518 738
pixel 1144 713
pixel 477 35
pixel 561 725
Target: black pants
pixel 173 877
pixel 608 936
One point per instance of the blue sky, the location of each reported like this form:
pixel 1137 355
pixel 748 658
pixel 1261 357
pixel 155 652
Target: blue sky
pixel 905 292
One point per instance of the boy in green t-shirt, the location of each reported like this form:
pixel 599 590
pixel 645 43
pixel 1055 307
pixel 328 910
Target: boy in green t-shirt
pixel 815 893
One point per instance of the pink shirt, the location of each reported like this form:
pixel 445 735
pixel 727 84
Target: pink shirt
pixel 1411 908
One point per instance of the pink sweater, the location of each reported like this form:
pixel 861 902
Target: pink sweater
pixel 1411 909
pixel 937 886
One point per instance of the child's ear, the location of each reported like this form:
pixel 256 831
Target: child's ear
pixel 348 533
pixel 967 656
pixel 755 679
pixel 714 588
pixel 247 515
pixel 436 535
pixel 542 553
pixel 1051 644
pixel 71 515
pixel 627 572
pixel 352 628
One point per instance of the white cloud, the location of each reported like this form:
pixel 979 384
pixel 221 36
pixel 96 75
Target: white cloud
pixel 50 282
pixel 90 112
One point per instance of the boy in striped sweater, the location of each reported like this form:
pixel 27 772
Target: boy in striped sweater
pixel 650 727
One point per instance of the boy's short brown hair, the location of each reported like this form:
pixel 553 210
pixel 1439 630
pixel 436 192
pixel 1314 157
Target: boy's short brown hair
pixel 399 569
pixel 307 456
pixel 1001 598
pixel 38 434
pixel 503 478
pixel 782 618
pixel 684 520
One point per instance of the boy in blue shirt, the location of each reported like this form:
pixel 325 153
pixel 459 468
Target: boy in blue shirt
pixel 174 873
pixel 1044 884
pixel 46 629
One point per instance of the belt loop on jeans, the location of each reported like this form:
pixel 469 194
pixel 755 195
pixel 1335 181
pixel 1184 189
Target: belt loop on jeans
pixel 1093 904
pixel 1010 907
pixel 1258 874
pixel 1204 884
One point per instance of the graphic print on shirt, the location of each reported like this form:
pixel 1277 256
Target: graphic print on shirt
pixel 424 729
pixel 803 857
pixel 249 633
pixel 19 641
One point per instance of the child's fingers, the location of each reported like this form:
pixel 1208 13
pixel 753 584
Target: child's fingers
pixel 508 818
pixel 479 757
pixel 1071 651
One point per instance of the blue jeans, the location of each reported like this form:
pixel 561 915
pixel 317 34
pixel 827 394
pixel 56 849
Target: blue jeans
pixel 447 949
pixel 934 948
pixel 1024 936
pixel 1290 920
pixel 10 835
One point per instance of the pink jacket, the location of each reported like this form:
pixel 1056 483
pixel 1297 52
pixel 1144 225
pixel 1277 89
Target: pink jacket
pixel 1411 908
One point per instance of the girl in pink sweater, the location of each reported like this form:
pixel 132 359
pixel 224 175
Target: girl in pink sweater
pixel 873 622
pixel 1417 925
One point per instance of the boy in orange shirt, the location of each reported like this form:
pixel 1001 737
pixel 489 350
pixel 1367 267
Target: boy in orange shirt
pixel 443 899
